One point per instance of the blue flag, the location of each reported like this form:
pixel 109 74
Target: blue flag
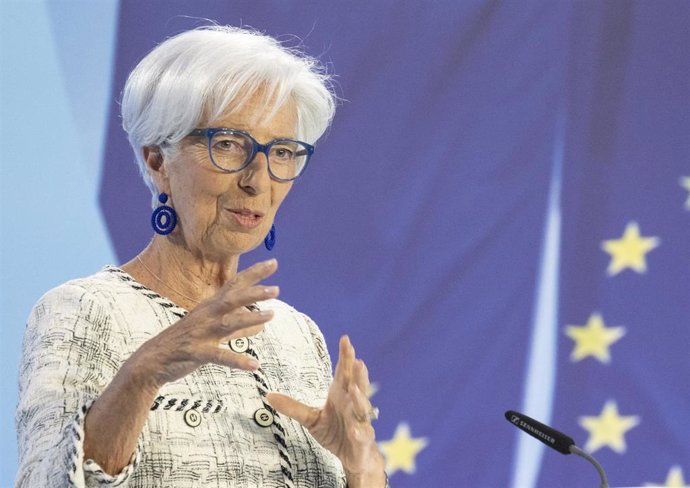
pixel 499 218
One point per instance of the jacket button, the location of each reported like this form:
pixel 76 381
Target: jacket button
pixel 263 417
pixel 241 344
pixel 192 418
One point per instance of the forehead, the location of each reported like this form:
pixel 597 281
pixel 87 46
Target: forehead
pixel 259 114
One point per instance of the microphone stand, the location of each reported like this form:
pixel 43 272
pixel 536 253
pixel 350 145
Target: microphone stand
pixel 576 450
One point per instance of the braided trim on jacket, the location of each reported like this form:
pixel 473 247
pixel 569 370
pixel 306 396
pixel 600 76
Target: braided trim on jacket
pixel 94 476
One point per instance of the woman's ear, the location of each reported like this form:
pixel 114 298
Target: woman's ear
pixel 153 158
pixel 155 167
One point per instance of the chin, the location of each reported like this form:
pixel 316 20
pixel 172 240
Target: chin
pixel 241 243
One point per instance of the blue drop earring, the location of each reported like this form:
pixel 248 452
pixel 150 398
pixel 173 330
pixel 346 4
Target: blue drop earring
pixel 270 239
pixel 164 218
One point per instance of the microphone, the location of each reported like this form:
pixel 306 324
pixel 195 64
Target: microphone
pixel 550 437
pixel 553 438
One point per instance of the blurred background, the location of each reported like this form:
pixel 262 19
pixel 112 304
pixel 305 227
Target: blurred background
pixel 499 216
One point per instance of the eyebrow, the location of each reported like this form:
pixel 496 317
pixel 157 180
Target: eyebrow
pixel 244 128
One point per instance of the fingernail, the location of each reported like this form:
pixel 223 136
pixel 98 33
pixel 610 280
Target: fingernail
pixel 253 363
pixel 271 291
pixel 266 313
pixel 270 262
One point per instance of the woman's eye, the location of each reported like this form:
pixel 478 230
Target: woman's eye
pixel 228 145
pixel 283 153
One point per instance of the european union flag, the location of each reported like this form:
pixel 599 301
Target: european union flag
pixel 499 218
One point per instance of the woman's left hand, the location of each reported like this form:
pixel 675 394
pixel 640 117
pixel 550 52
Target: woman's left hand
pixel 343 424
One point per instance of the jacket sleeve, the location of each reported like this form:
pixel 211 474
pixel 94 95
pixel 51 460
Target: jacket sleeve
pixel 71 351
pixel 320 351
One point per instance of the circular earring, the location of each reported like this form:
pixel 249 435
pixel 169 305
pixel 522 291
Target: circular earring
pixel 270 239
pixel 164 218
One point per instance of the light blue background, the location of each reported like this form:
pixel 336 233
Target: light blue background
pixel 55 71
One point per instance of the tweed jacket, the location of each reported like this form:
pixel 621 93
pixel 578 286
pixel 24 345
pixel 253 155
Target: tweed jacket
pixel 211 428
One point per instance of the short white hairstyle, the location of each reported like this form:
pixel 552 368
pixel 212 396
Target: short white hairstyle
pixel 199 74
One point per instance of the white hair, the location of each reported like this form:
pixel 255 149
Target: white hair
pixel 197 75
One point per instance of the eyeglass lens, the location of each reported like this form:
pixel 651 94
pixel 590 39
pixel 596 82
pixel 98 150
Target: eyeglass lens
pixel 231 151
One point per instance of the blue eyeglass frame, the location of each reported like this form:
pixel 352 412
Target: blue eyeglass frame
pixel 257 147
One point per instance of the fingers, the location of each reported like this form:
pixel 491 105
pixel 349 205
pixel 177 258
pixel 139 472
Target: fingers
pixel 243 318
pixel 304 414
pixel 353 376
pixel 243 289
pixel 194 339
pixel 346 359
pixel 253 274
pixel 240 323
pixel 361 408
pixel 244 332
pixel 231 299
pixel 360 375
pixel 224 357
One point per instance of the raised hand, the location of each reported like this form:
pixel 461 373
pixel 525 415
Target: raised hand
pixel 343 424
pixel 196 338
pixel 118 415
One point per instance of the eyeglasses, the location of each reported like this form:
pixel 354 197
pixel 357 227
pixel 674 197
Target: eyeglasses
pixel 231 150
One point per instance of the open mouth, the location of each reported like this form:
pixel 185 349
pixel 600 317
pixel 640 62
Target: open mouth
pixel 246 217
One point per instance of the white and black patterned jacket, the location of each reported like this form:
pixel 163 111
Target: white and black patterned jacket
pixel 77 337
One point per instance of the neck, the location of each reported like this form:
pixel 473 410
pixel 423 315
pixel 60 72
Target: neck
pixel 174 271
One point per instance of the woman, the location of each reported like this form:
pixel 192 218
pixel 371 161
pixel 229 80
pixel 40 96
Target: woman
pixel 176 369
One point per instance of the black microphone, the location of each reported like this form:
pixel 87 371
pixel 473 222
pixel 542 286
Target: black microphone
pixel 554 439
pixel 551 437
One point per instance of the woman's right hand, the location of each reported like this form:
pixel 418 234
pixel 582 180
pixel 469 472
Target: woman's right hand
pixel 118 415
pixel 197 338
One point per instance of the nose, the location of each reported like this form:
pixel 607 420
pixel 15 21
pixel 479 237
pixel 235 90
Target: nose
pixel 255 177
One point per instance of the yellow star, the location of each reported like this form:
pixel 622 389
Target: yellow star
pixel 593 339
pixel 401 450
pixel 608 429
pixel 629 251
pixel 673 480
pixel 675 477
pixel 685 183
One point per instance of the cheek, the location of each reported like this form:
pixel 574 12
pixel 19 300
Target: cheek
pixel 198 202
pixel 278 193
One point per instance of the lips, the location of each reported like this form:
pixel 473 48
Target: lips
pixel 246 217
